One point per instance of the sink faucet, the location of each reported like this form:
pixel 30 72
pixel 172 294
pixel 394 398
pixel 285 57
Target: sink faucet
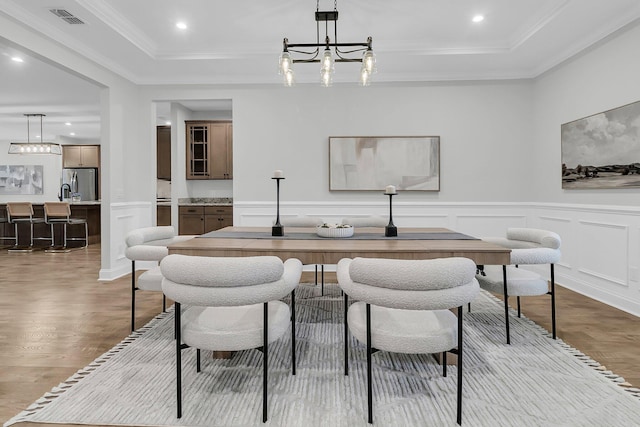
pixel 61 195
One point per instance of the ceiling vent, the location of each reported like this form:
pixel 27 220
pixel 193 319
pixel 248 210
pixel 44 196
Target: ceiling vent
pixel 66 16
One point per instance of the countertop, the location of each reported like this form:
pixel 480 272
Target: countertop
pixel 206 201
pixel 80 203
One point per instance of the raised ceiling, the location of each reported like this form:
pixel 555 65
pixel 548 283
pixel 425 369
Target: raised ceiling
pixel 239 42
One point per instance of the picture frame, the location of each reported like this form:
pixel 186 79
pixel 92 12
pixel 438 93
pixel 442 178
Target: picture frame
pixel 370 163
pixel 21 179
pixel 602 151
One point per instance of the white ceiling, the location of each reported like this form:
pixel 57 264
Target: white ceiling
pixel 239 42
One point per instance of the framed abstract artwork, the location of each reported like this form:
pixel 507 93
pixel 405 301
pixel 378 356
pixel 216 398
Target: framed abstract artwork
pixel 602 150
pixel 21 179
pixel 410 163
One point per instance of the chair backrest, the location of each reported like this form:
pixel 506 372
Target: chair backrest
pixel 57 210
pixel 366 221
pixel 19 210
pixel 301 221
pixel 533 246
pixel 409 284
pixel 225 281
pixel 544 238
pixel 150 235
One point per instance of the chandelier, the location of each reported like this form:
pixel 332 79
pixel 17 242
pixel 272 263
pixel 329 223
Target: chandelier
pixel 342 52
pixel 34 147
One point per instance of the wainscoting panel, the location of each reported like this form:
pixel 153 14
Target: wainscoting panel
pixel 600 244
pixel 124 218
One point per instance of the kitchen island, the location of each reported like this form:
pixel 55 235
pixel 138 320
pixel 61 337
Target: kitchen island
pixel 88 210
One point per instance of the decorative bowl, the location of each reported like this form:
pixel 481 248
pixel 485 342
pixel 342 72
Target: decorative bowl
pixel 334 231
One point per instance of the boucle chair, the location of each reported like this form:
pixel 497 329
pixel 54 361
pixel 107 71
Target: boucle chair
pixel 149 244
pixel 404 308
pixel 528 246
pixel 308 222
pixel 232 300
pixel 366 221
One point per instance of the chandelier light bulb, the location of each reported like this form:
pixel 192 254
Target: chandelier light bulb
pixel 365 77
pixel 327 61
pixel 285 63
pixel 289 78
pixel 326 78
pixel 369 61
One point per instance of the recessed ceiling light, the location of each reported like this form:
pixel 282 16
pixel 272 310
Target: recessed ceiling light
pixel 181 25
pixel 67 124
pixel 72 134
pixel 167 122
pixel 17 59
pixel 478 18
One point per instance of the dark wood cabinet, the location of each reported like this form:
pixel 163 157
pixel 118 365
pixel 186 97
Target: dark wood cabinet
pixel 163 216
pixel 163 152
pixel 203 219
pixel 209 150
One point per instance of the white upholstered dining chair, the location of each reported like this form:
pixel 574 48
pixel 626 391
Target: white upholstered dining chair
pixel 403 307
pixel 528 246
pixel 305 221
pixel 366 221
pixel 233 303
pixel 149 244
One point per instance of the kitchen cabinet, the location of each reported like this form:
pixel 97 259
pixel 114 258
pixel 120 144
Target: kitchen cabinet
pixel 163 152
pixel 80 156
pixel 203 219
pixel 209 150
pixel 163 216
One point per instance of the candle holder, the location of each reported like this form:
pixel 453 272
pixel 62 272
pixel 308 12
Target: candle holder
pixel 277 229
pixel 390 230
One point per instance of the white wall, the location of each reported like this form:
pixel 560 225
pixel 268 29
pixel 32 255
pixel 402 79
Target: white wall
pixel 485 131
pixel 600 228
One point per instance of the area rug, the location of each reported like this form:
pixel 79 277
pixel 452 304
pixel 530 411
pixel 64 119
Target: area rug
pixel 535 381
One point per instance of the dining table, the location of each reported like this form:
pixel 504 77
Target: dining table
pixel 412 243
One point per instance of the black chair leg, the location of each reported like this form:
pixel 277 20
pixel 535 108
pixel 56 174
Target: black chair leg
pixel 293 332
pixel 198 360
pixel 164 303
pixel 265 360
pixel 553 302
pixel 346 335
pixel 133 296
pixel 519 308
pixel 444 363
pixel 178 358
pixel 369 385
pixel 459 404
pixel 322 279
pixel 506 302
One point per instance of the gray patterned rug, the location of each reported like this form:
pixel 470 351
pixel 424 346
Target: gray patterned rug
pixel 536 381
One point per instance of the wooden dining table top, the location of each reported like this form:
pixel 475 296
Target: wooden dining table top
pixel 332 250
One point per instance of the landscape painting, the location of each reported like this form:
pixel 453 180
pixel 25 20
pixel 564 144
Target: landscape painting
pixel 410 163
pixel 603 150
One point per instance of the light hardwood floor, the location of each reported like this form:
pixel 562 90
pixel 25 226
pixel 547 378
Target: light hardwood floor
pixel 55 317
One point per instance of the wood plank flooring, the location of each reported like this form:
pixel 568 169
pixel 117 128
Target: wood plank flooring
pixel 55 317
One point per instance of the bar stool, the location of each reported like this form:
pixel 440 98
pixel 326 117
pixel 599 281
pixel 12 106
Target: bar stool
pixel 22 213
pixel 60 213
pixel 5 220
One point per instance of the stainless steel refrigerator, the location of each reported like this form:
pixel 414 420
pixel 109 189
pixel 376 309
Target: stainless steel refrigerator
pixel 82 181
